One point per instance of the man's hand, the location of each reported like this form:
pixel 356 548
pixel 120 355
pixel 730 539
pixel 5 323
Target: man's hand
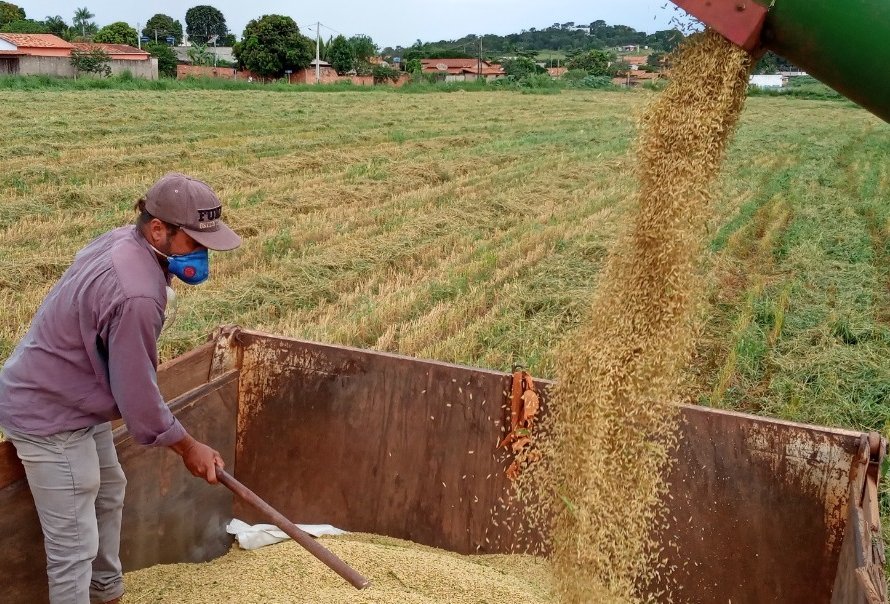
pixel 200 459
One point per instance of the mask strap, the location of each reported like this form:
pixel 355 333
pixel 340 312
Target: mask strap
pixel 158 251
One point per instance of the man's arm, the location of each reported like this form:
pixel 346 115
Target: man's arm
pixel 132 373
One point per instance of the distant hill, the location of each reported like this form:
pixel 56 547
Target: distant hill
pixel 565 38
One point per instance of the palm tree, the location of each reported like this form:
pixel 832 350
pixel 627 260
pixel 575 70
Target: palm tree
pixel 81 17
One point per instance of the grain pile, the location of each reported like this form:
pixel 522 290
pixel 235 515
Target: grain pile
pixel 597 490
pixel 401 573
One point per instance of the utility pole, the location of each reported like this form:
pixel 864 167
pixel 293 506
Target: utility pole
pixel 138 36
pixel 317 53
pixel 479 72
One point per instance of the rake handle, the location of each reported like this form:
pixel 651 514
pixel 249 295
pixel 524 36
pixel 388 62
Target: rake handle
pixel 303 538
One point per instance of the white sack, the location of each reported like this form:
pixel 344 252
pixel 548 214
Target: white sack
pixel 259 535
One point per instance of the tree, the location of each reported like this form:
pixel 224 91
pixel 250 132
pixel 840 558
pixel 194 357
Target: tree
pixel 382 74
pixel 594 62
pixel 165 56
pixel 414 67
pixel 340 55
pixel 117 33
pixel 363 48
pixel 160 26
pixel 10 12
pixel 618 69
pixel 273 44
pixel 521 67
pixel 203 22
pixel 56 25
pixel 771 63
pixel 655 60
pixel 26 26
pixel 82 21
pixel 95 60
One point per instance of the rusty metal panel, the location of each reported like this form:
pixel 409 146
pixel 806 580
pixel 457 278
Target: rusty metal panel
pixel 739 21
pixel 185 372
pixel 757 508
pixel 11 469
pixel 847 589
pixel 169 515
pixel 22 559
pixel 860 578
pixel 373 442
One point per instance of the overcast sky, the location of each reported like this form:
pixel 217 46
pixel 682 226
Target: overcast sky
pixel 389 23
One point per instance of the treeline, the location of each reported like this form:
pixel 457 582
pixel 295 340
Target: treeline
pixel 204 25
pixel 567 38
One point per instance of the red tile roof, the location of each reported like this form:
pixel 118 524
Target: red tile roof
pixel 486 71
pixel 36 40
pixel 452 63
pixel 112 49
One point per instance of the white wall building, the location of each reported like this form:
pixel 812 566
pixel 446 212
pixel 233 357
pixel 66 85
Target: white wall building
pixel 767 81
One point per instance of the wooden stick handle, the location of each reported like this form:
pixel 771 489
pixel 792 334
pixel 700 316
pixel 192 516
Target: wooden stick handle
pixel 304 539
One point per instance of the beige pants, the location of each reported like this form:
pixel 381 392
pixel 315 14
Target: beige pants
pixel 78 487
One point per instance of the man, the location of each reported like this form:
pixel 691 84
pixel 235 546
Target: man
pixel 89 357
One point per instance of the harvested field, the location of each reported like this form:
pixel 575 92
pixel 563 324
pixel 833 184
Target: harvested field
pixel 472 227
pixel 400 571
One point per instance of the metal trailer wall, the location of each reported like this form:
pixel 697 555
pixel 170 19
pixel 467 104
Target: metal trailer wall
pixel 764 511
pixel 386 444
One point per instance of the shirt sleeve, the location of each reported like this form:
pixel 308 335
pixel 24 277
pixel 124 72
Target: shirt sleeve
pixel 132 371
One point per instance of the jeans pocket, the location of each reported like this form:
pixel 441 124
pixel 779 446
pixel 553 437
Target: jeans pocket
pixel 69 436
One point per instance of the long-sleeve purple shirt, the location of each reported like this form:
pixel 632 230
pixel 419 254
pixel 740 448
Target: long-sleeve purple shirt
pixel 90 355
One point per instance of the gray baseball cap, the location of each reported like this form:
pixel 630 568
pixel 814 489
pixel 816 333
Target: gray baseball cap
pixel 191 205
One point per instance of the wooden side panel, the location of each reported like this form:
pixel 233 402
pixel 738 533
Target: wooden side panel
pixel 169 516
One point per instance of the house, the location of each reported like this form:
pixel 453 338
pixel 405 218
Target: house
pixel 557 72
pixel 767 81
pixel 451 66
pixel 635 61
pixel 222 53
pixel 457 70
pixel 635 77
pixel 35 45
pixel 326 74
pixel 119 52
pixel 46 54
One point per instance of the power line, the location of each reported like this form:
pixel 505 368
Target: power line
pixel 326 27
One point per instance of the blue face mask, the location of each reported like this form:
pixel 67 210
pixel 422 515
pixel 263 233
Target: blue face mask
pixel 193 268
